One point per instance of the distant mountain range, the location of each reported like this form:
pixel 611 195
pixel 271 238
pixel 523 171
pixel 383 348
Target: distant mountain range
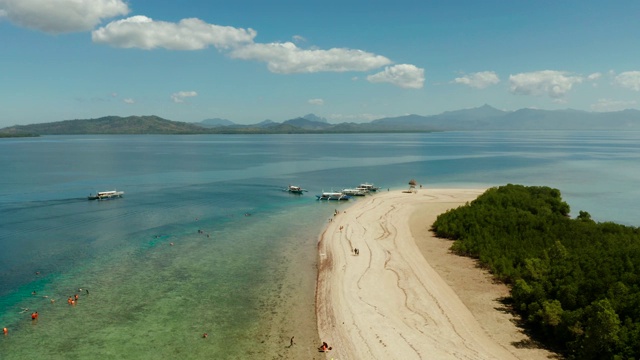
pixel 490 118
pixel 480 118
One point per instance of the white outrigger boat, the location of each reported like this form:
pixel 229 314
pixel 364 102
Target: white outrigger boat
pixel 333 196
pixel 367 187
pixel 106 195
pixel 355 192
pixel 295 189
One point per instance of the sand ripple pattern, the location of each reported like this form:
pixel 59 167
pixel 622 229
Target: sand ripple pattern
pixel 388 302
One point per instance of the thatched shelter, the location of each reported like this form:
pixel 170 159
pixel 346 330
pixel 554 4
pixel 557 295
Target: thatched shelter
pixel 412 185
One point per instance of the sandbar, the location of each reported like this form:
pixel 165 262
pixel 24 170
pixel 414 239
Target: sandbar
pixel 389 302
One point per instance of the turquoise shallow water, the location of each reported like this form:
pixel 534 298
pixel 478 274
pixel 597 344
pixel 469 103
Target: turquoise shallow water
pixel 249 284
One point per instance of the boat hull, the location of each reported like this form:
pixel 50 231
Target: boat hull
pixel 295 190
pixel 106 195
pixel 333 196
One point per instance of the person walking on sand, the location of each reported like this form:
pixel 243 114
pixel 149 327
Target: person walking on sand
pixel 291 343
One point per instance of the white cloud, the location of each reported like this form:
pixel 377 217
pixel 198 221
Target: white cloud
pixel 280 57
pixel 479 80
pixel 287 58
pixel 299 39
pixel 61 16
pixel 180 96
pixel 194 34
pixel 612 105
pixel 316 101
pixel 553 83
pixel 594 76
pixel 402 75
pixel 629 80
pixel 188 34
pixel 128 101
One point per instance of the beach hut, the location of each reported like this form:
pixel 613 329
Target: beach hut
pixel 412 185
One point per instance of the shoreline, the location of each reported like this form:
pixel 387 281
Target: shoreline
pixel 390 302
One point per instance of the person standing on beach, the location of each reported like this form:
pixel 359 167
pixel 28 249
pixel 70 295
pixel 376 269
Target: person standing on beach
pixel 291 343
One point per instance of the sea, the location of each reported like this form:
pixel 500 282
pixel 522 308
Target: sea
pixel 206 255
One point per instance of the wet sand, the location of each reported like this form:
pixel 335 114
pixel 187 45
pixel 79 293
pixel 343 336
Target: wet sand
pixel 404 296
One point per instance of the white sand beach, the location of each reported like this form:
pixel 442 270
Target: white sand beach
pixel 390 302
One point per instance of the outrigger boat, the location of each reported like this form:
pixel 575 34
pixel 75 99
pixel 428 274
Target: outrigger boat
pixel 333 196
pixel 355 192
pixel 368 187
pixel 106 195
pixel 295 189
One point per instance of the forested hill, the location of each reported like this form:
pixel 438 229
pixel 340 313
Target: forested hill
pixel 109 125
pixel 480 118
pixel 575 282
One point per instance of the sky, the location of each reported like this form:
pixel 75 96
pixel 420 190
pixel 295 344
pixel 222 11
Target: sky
pixel 346 61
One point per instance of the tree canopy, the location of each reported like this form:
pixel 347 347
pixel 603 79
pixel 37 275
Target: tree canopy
pixel 575 282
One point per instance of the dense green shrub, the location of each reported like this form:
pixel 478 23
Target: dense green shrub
pixel 575 282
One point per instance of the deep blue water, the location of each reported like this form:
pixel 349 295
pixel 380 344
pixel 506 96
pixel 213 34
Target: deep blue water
pixel 177 185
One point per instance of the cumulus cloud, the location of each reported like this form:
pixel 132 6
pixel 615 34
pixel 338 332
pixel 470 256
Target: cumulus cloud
pixel 479 80
pixel 181 95
pixel 612 105
pixel 188 34
pixel 61 16
pixel 128 101
pixel 594 76
pixel 287 58
pixel 316 101
pixel 402 75
pixel 553 83
pixel 629 80
pixel 281 57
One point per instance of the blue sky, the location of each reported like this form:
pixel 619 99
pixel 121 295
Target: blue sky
pixel 251 60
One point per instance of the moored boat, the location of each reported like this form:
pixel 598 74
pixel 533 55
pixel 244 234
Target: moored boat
pixel 106 195
pixel 355 192
pixel 333 196
pixel 368 187
pixel 295 189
